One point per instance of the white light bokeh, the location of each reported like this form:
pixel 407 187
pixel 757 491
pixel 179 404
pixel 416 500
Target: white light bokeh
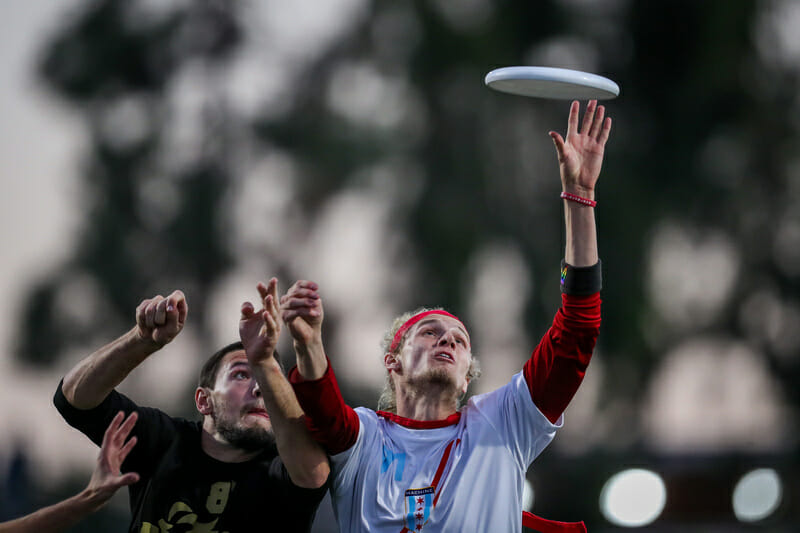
pixel 757 495
pixel 361 94
pixel 691 274
pixel 713 394
pixel 633 498
pixel 776 36
pixel 768 317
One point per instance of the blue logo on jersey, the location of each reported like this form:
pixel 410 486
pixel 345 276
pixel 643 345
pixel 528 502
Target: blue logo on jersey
pixel 389 456
pixel 419 504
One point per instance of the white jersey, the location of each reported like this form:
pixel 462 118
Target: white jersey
pixel 467 476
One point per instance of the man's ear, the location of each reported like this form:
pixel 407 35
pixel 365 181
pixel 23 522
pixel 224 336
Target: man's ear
pixel 202 400
pixel 392 362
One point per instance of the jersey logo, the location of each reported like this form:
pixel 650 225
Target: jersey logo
pixel 389 456
pixel 419 504
pixel 182 515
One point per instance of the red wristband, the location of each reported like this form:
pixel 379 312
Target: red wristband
pixel 580 199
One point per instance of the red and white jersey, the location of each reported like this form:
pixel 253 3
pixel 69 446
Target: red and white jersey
pixel 465 473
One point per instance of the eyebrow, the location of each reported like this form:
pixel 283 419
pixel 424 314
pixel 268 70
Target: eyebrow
pixel 237 364
pixel 427 321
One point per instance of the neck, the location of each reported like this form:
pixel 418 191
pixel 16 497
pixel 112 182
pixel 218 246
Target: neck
pixel 425 407
pixel 217 447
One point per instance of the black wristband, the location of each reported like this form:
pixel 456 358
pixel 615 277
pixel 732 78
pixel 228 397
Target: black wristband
pixel 581 281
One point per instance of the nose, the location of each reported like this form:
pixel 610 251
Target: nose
pixel 447 339
pixel 256 389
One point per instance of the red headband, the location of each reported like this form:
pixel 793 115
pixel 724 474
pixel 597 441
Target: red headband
pixel 413 320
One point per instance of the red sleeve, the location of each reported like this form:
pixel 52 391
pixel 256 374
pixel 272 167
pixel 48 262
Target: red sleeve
pixel 332 423
pixel 558 364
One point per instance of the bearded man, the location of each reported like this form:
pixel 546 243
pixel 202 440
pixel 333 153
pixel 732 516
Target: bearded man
pixel 228 472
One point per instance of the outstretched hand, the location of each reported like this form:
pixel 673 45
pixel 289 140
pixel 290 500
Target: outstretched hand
pixel 580 156
pixel 260 330
pixel 107 478
pixel 160 319
pixel 301 309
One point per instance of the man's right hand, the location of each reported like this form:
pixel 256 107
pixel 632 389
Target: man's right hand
pixel 301 311
pixel 159 319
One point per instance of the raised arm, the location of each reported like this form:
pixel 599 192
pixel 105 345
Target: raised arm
pixel 558 364
pixel 580 157
pixel 332 423
pixel 158 321
pixel 259 330
pixel 105 481
pixel 301 309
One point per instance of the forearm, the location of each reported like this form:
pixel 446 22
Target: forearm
pixel 56 517
pixel 92 379
pixel 311 359
pixel 581 232
pixel 305 460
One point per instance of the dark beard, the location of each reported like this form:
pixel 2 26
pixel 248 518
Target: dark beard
pixel 434 379
pixel 249 439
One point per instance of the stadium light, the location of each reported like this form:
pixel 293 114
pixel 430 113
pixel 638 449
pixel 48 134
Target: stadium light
pixel 633 498
pixel 757 495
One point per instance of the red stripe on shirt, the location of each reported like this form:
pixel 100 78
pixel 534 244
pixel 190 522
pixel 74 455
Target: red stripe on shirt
pixel 440 470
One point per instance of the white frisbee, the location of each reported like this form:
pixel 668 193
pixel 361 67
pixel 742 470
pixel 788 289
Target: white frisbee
pixel 549 82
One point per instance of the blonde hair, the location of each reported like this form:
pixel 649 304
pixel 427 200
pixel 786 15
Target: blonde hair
pixel 388 400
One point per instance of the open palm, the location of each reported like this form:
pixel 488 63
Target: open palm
pixel 580 156
pixel 259 330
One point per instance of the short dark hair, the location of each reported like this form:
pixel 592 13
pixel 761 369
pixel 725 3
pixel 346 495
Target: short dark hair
pixel 208 374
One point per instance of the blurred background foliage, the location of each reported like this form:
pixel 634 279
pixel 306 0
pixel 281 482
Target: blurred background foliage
pixel 698 217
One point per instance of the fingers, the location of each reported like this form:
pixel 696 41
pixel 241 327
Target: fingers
pixel 127 479
pixel 301 289
pixel 291 314
pixel 126 427
pixel 146 312
pixel 160 314
pixel 594 125
pixel 271 322
pixel 597 122
pixel 308 307
pixel 247 310
pixel 125 450
pixel 111 430
pixel 176 310
pixel 605 131
pixel 572 122
pixel 159 311
pixel 114 445
pixel 263 290
pixel 558 140
pixel 588 117
pixel 273 294
pixel 177 302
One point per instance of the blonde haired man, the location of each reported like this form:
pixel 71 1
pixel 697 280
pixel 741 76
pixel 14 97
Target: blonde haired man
pixel 428 466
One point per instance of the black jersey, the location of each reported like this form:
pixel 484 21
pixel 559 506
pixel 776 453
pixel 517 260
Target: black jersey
pixel 181 489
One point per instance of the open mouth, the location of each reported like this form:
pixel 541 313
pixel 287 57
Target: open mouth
pixel 258 412
pixel 444 356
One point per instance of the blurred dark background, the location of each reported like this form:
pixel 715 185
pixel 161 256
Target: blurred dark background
pixel 353 142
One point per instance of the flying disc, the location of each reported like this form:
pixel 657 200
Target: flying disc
pixel 550 82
